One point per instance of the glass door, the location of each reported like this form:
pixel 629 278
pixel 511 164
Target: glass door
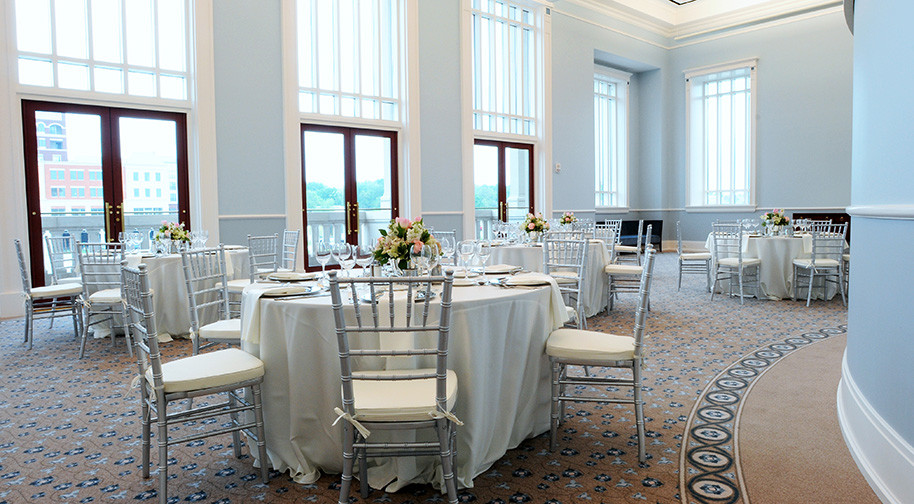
pixel 349 185
pixel 83 164
pixel 503 179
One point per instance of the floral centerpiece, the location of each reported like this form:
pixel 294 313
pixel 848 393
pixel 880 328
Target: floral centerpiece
pixel 568 218
pixel 775 218
pixel 401 235
pixel 534 224
pixel 172 231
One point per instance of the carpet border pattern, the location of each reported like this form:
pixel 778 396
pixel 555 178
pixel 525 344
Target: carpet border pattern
pixel 709 458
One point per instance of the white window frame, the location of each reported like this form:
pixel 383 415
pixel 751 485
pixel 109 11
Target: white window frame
pixel 622 81
pixel 696 165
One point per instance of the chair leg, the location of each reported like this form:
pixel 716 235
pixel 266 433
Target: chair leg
pixel 236 436
pixel 796 286
pixel 679 287
pixel 74 312
pixel 812 280
pixel 364 485
pixel 29 330
pixel 447 467
pixel 162 441
pixel 715 284
pixel 348 459
pixel 261 434
pixel 53 312
pixel 741 292
pixel 554 416
pixel 840 281
pixel 639 411
pixel 146 433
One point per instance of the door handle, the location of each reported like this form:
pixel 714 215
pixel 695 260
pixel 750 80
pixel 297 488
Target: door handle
pixel 356 218
pixel 348 216
pixel 107 221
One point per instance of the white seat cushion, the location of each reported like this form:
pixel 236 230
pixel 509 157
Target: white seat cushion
pixel 846 257
pixel 388 401
pixel 627 249
pixel 589 345
pixel 622 269
pixel 236 286
pixel 820 263
pixel 106 296
pixel 572 313
pixel 213 369
pixel 222 330
pixel 59 290
pixel 695 256
pixel 733 262
pixel 564 277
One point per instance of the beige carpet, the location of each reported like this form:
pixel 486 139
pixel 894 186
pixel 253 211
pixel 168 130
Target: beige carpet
pixel 790 444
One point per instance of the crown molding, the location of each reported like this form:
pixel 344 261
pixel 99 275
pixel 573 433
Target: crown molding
pixel 768 11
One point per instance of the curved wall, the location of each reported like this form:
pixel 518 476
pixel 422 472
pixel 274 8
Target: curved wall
pixel 875 400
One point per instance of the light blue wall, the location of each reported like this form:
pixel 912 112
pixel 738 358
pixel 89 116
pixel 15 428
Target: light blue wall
pixel 249 134
pixel 879 342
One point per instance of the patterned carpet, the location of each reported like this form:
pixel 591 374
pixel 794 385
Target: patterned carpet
pixel 69 429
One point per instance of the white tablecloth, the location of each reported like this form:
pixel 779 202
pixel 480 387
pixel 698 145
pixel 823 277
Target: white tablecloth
pixel 777 254
pixel 497 346
pixel 531 258
pixel 166 278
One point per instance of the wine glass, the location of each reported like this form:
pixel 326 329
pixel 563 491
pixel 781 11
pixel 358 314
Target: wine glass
pixel 419 256
pixel 364 256
pixel 152 240
pixel 122 238
pixel 483 251
pixel 466 249
pixel 137 238
pixel 322 255
pixel 448 247
pixel 344 255
pixel 434 255
pixel 194 240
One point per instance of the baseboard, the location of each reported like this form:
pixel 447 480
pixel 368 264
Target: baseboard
pixel 885 458
pixel 11 305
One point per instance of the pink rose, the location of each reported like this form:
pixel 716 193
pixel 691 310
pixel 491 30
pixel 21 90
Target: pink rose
pixel 417 219
pixel 530 226
pixel 417 246
pixel 404 222
pixel 168 233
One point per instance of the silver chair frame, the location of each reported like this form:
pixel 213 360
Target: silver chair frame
pixel 98 267
pixel 728 243
pixel 39 306
pixel 622 283
pixel 566 256
pixel 263 254
pixel 688 266
pixel 827 243
pixel 290 242
pixel 207 294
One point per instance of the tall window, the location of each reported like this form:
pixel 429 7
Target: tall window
pixel 610 113
pixel 349 58
pixel 132 47
pixel 720 110
pixel 504 67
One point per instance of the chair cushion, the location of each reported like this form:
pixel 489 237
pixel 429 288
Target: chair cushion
pixel 572 313
pixel 846 257
pixel 589 345
pixel 622 269
pixel 222 330
pixel 820 263
pixel 564 277
pixel 388 401
pixel 733 262
pixel 59 290
pixel 213 369
pixel 695 256
pixel 236 286
pixel 106 296
pixel 629 249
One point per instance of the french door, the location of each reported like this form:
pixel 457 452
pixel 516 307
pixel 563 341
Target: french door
pixel 503 179
pixel 92 172
pixel 349 185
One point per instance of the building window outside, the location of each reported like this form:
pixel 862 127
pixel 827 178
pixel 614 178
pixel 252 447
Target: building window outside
pixel 610 100
pixel 42 142
pixel 55 129
pixel 136 176
pixel 136 193
pixel 41 128
pixel 173 197
pixel 158 192
pixel 57 144
pixel 504 56
pixel 349 58
pixel 87 46
pixel 77 175
pixel 720 115
pixel 53 174
pixel 146 176
pixel 158 177
pixel 147 192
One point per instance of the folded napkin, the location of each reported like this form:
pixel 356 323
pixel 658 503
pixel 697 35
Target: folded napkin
pixel 557 304
pixel 285 290
pixel 466 282
pixel 292 276
pixel 501 268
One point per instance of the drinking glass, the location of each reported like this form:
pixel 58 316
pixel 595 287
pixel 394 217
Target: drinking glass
pixel 419 256
pixel 345 255
pixel 483 251
pixel 194 240
pixel 322 254
pixel 448 247
pixel 137 238
pixel 466 249
pixel 204 237
pixel 152 240
pixel 122 238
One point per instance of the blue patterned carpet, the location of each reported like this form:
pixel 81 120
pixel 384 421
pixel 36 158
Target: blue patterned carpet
pixel 70 432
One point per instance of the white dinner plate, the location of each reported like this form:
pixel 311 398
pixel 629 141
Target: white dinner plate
pixel 291 276
pixel 287 290
pixel 502 269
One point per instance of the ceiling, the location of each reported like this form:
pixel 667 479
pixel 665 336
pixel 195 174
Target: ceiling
pixel 688 18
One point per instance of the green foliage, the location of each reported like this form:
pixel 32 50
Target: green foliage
pixel 486 196
pixel 320 196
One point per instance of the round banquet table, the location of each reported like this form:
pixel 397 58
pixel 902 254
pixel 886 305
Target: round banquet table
pixel 530 257
pixel 776 271
pixel 496 347
pixel 166 278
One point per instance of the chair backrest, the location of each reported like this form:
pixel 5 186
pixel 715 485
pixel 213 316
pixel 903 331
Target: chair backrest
pixel 605 233
pixel 568 257
pixel 643 297
pixel 23 269
pixel 98 266
pixel 816 225
pixel 616 224
pixel 728 240
pixel 290 241
pixel 204 275
pixel 585 225
pixel 263 254
pixel 828 242
pixel 142 324
pixel 62 254
pixel 441 234
pixel 562 234
pixel 400 318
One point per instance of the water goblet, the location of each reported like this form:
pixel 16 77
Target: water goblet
pixel 483 251
pixel 345 256
pixel 466 249
pixel 364 256
pixel 137 239
pixel 419 256
pixel 322 255
pixel 448 247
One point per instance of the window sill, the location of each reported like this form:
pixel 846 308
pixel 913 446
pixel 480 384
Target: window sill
pixel 612 209
pixel 721 209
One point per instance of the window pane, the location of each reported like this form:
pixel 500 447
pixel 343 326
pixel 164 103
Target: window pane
pixel 173 87
pixel 73 76
pixel 140 35
pixel 33 26
pixel 106 31
pixel 34 72
pixel 171 35
pixel 70 17
pixel 141 83
pixel 109 80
